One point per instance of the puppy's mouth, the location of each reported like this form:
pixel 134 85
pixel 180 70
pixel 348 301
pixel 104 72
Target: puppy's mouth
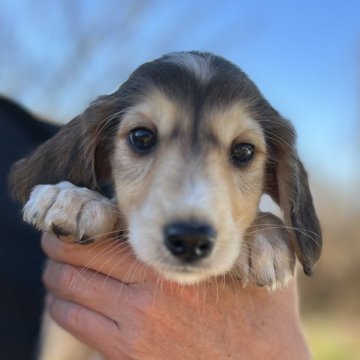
pixel 184 274
pixel 188 273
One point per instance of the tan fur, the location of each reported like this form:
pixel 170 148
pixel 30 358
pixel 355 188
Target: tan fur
pixel 197 66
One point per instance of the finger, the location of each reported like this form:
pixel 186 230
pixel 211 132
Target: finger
pixel 96 291
pixel 94 329
pixel 108 257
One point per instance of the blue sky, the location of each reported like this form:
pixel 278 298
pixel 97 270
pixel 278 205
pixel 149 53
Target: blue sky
pixel 304 56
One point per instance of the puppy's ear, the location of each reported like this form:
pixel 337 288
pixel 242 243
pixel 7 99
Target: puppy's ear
pixel 78 153
pixel 287 183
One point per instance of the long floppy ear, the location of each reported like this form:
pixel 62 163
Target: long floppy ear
pixel 287 183
pixel 78 153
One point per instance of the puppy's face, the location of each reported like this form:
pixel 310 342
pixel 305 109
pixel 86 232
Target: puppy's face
pixel 188 183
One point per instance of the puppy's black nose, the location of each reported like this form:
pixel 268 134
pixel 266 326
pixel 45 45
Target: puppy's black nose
pixel 189 241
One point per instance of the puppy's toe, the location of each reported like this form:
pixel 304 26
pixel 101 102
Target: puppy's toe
pixel 97 220
pixel 272 262
pixel 41 200
pixel 271 258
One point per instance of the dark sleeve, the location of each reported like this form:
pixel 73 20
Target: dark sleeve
pixel 21 259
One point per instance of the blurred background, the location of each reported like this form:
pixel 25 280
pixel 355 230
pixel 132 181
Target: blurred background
pixel 57 56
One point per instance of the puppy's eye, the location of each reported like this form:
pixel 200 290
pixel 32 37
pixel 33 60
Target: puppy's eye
pixel 242 153
pixel 142 140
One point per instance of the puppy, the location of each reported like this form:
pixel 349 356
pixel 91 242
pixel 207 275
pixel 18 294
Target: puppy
pixel 189 145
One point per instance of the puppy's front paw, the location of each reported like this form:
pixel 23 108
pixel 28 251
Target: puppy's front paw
pixel 70 212
pixel 267 257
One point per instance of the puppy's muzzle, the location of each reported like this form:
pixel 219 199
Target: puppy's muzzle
pixel 189 241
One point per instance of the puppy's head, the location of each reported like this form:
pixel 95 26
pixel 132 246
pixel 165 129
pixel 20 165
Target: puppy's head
pixel 190 145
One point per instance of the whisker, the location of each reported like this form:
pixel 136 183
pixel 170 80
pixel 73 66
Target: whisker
pixel 302 231
pixel 122 259
pixel 120 237
pixel 87 266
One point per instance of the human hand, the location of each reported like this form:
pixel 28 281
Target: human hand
pixel 121 308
